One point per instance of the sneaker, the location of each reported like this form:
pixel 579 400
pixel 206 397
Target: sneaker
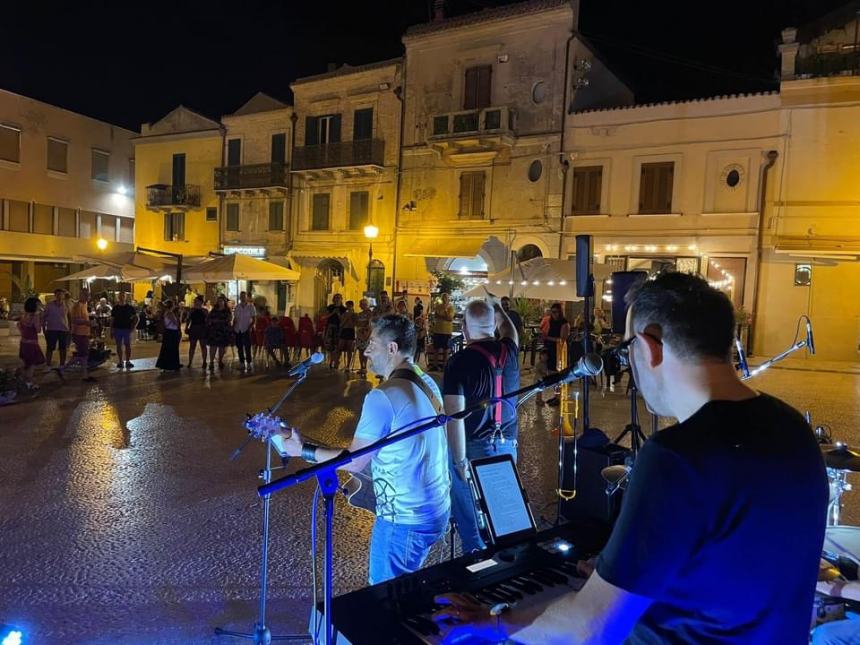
pixel 119 365
pixel 242 366
pixel 129 365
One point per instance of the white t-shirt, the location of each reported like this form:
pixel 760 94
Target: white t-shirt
pixel 410 478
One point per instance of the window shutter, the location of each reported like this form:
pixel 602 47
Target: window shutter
pixel 465 194
pixel 470 91
pixel 362 128
pixel 484 87
pixel 279 148
pixel 595 186
pixel 312 131
pixel 180 226
pixel 478 195
pixel 167 235
pixel 234 152
pixel 668 175
pixel 643 188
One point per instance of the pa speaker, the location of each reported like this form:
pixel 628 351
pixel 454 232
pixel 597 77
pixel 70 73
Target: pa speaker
pixel 621 283
pixel 584 282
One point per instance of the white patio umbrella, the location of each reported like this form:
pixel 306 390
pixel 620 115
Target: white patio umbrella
pixel 152 263
pixel 126 273
pixel 539 278
pixel 238 267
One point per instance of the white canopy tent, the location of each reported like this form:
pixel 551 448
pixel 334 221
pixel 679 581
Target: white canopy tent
pixel 538 278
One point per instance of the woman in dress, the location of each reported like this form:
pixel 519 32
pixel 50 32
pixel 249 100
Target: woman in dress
pixel 168 357
pixel 346 342
pixel 218 333
pixel 196 330
pixel 362 333
pixel 29 350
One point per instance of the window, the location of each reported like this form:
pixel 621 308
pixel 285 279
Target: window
pixel 10 143
pixel 100 164
pixel 87 221
pixel 276 216
pixel 322 129
pixel 43 219
pixel 476 94
pixel 279 148
pixel 358 208
pixel 107 227
pixel 733 178
pixel 212 214
pixel 57 155
pixel 729 276
pixel 655 187
pixel 472 194
pixel 234 152
pixel 535 170
pixel 587 184
pixel 67 222
pixel 539 92
pixel 18 215
pixel 320 215
pixel 362 124
pixel 232 217
pixel 126 230
pixel 174 227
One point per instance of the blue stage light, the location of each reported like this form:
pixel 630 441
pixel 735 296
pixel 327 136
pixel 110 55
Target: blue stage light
pixel 11 635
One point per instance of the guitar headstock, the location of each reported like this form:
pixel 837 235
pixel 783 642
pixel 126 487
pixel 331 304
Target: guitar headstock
pixel 262 426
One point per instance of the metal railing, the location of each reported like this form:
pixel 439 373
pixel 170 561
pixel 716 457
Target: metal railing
pixel 261 175
pixel 836 63
pixel 172 196
pixel 344 153
pixel 489 120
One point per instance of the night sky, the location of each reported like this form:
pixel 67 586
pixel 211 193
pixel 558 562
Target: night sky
pixel 132 62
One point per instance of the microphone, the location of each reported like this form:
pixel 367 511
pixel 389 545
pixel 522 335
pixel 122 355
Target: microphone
pixel 588 365
pixel 305 365
pixel 742 358
pixel 810 341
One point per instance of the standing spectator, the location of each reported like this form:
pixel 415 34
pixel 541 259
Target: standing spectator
pixel 81 329
pixel 168 357
pixel 401 310
pixel 384 306
pixel 307 336
pixel 417 308
pixel 273 340
pixel 261 323
pixel 218 332
pixel 291 339
pixel 102 312
pixel 346 344
pixel 362 333
pixel 443 327
pixel 123 322
pixel 243 323
pixel 57 322
pixel 514 316
pixel 471 377
pixel 29 350
pixel 557 330
pixel 195 328
pixel 420 337
pixel 332 330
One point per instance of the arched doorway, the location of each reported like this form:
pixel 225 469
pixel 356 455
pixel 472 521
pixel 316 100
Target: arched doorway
pixel 328 274
pixel 375 278
pixel 528 252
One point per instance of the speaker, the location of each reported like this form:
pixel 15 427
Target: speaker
pixel 591 503
pixel 584 281
pixel 621 283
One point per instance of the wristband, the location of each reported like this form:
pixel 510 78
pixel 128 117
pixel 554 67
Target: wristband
pixel 309 452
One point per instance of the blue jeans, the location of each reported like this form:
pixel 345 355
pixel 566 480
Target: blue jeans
pixel 396 549
pixel 462 501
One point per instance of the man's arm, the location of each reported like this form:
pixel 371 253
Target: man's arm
pixel 456 429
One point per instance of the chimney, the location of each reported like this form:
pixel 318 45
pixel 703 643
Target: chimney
pixel 788 51
pixel 438 10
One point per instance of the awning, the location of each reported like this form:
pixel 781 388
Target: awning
pixel 448 248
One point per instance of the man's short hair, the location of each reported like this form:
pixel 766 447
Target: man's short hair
pixel 696 320
pixel 480 317
pixel 397 329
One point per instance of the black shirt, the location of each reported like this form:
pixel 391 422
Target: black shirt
pixel 197 318
pixel 469 374
pixel 334 314
pixel 122 316
pixel 722 526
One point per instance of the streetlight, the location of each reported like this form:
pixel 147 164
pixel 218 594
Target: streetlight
pixel 102 244
pixel 370 232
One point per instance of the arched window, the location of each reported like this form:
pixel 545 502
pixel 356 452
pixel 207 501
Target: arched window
pixel 528 252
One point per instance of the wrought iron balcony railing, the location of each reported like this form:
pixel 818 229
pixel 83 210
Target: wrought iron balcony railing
pixel 837 63
pixel 172 196
pixel 370 152
pixel 492 120
pixel 261 175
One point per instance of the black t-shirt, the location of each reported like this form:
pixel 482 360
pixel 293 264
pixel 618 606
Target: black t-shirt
pixel 722 526
pixel 196 317
pixel 334 314
pixel 469 374
pixel 122 316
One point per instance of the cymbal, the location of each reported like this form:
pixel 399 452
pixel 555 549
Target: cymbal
pixel 614 474
pixel 840 456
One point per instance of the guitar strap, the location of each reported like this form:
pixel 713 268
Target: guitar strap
pixel 410 375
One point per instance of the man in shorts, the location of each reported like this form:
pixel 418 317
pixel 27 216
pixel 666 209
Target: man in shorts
pixel 57 324
pixel 124 320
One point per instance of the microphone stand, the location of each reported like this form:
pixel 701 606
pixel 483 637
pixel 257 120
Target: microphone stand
pixel 326 476
pixel 776 359
pixel 262 635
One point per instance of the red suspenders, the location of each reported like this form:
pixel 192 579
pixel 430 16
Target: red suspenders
pixel 498 366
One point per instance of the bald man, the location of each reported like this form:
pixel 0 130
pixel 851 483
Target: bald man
pixel 470 378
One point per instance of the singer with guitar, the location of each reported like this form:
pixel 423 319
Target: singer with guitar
pixel 410 478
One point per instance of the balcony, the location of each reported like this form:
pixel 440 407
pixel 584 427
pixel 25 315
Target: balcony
pixel 368 154
pixel 842 62
pixel 472 137
pixel 251 177
pixel 492 120
pixel 178 197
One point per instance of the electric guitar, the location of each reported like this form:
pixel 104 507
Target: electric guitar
pixel 358 489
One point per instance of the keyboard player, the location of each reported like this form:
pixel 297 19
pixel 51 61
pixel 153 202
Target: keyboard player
pixel 721 528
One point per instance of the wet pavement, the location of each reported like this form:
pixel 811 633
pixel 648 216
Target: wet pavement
pixel 123 520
